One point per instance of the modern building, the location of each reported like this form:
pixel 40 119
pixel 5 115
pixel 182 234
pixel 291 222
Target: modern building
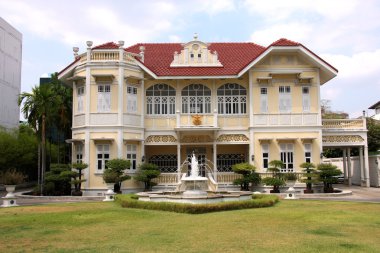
pixel 10 74
pixel 376 107
pixel 226 102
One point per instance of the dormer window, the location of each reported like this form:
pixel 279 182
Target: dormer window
pixel 196 54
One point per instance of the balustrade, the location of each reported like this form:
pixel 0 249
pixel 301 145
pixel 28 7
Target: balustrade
pixel 343 124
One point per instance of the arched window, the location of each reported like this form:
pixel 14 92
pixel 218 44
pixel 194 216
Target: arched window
pixel 160 99
pixel 196 98
pixel 232 99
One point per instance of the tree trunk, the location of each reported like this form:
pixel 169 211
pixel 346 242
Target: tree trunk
pixel 43 149
pixel 39 168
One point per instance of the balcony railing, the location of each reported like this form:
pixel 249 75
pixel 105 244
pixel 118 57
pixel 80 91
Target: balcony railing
pixel 342 124
pixel 286 119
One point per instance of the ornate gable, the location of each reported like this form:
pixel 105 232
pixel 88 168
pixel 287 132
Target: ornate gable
pixel 195 54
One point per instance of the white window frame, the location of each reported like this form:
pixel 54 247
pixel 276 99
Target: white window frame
pixel 160 100
pixel 132 156
pixel 308 152
pixel 80 98
pixel 131 99
pixel 265 154
pixel 263 99
pixel 102 156
pixel 232 99
pixel 104 97
pixel 285 99
pixel 196 99
pixel 306 98
pixel 287 156
pixel 79 152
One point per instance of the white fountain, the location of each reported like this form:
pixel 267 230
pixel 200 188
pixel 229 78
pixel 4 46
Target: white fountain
pixel 195 185
pixel 193 189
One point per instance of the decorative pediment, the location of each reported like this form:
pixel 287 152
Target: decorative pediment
pixel 196 54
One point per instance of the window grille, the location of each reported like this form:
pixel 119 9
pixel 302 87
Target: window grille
pixel 160 99
pixel 166 163
pixel 232 99
pixel 224 162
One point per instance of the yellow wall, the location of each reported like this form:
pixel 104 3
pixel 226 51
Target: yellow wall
pixel 298 145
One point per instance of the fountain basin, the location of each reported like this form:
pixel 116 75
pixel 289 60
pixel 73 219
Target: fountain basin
pixel 209 198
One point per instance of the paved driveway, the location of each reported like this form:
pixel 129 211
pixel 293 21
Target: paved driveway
pixel 359 194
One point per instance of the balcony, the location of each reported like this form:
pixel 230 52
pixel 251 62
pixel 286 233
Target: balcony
pixel 286 119
pixel 343 124
pixel 110 56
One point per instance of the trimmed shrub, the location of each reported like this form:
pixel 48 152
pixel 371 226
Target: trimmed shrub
pixel 257 201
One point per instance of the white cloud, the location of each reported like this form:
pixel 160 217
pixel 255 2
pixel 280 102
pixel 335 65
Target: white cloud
pixel 213 7
pixel 174 38
pixel 276 10
pixel 294 31
pixel 357 65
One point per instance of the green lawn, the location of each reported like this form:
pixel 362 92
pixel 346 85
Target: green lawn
pixel 289 226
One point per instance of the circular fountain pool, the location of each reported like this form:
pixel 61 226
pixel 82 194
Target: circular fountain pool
pixel 208 198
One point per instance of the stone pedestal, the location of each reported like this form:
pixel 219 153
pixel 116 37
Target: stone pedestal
pixel 291 193
pixel 10 199
pixel 110 194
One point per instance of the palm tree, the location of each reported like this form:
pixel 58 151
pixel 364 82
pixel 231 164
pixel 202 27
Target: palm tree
pixel 36 108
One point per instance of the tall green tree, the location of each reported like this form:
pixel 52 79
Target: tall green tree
pixel 37 107
pixel 373 134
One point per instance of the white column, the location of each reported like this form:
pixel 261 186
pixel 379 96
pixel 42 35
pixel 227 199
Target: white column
pixel 366 167
pixel 86 159
pixel 349 166
pixel 142 150
pixel 251 147
pixel 345 166
pixel 142 103
pixel 362 175
pixel 88 85
pixel 179 161
pixel 120 143
pixel 214 161
pixel 250 90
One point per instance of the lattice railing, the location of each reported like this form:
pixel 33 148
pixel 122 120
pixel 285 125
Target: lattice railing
pixel 343 124
pixel 166 179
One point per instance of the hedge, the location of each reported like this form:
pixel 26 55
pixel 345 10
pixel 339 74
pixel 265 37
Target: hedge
pixel 257 201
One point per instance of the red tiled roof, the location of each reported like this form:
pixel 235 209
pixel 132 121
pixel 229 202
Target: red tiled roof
pixel 284 42
pixel 71 64
pixel 233 56
pixel 108 45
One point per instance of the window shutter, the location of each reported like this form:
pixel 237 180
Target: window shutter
pixel 107 101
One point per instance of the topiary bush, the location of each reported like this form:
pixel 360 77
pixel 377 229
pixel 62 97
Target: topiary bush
pixel 327 173
pixel 250 177
pixel 257 201
pixel 146 173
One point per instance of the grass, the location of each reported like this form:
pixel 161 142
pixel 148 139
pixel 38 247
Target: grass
pixel 289 226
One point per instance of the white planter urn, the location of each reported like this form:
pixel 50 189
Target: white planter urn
pixel 9 200
pixel 110 194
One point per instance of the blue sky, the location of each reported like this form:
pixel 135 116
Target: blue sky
pixel 346 33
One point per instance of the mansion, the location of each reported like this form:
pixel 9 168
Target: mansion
pixel 226 102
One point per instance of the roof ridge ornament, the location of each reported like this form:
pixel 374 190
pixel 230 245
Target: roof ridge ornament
pixel 196 54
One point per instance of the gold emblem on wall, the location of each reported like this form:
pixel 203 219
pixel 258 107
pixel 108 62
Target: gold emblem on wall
pixel 197 119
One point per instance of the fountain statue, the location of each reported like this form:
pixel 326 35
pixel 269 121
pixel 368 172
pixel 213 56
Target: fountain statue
pixel 194 166
pixel 195 185
pixel 194 189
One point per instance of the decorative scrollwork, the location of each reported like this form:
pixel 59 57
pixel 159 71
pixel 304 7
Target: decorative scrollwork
pixel 160 138
pixel 232 138
pixel 196 139
pixel 342 138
